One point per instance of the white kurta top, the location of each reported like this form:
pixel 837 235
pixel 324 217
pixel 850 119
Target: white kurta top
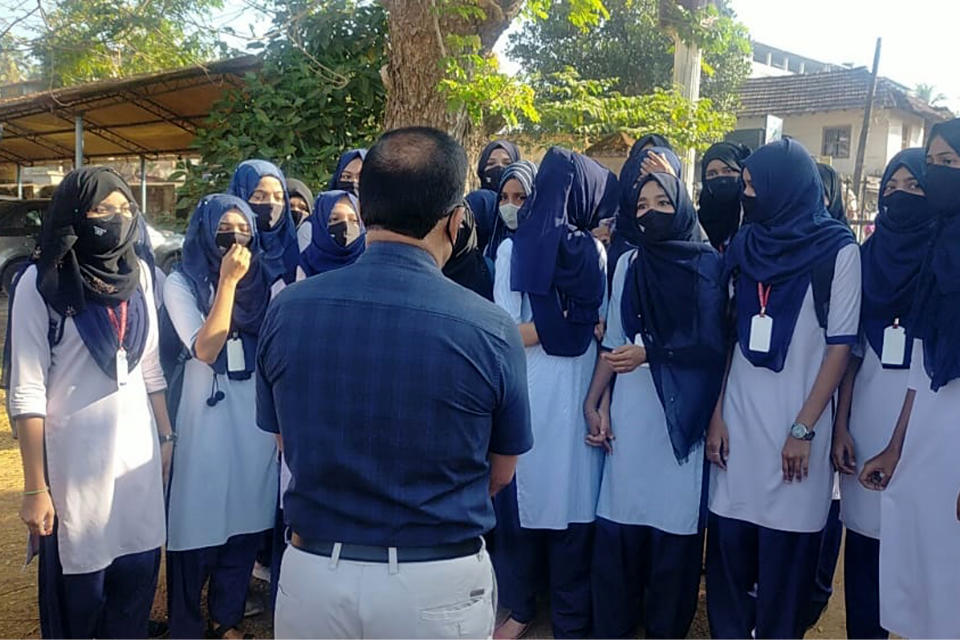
pixel 877 399
pixel 225 468
pixel 919 531
pixel 759 407
pixel 102 451
pixel 558 480
pixel 643 484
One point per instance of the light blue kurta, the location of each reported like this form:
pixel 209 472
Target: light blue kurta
pixel 225 472
pixel 558 480
pixel 643 484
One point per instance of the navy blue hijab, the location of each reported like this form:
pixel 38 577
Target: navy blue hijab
pixel 892 258
pixel 201 268
pixel 280 251
pixel 324 253
pixel 675 297
pixel 466 266
pixel 345 158
pixel 555 259
pixel 792 236
pixel 512 150
pixel 937 311
pixel 524 172
pixel 81 283
pixel 655 139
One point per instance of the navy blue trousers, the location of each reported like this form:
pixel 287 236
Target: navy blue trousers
pixel 758 578
pixel 642 569
pixel 520 557
pixel 830 541
pixel 111 603
pixel 228 569
pixel 861 572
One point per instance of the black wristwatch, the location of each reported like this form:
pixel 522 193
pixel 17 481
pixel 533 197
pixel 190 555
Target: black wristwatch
pixel 801 431
pixel 169 437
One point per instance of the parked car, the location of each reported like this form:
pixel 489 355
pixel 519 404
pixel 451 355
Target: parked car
pixel 20 222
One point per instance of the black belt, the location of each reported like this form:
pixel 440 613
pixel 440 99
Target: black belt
pixel 367 553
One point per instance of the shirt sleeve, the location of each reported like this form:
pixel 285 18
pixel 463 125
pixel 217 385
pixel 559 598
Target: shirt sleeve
pixel 505 298
pixel 150 360
pixel 859 349
pixel 304 235
pixel 512 433
pixel 615 335
pixel 183 310
pixel 918 378
pixel 30 349
pixel 843 321
pixel 603 277
pixel 266 409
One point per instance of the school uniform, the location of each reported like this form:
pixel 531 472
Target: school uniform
pixel 763 531
pixel 648 545
pixel 105 549
pixel 223 489
pixel 547 513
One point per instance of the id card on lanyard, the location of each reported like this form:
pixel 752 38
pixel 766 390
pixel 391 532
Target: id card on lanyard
pixel 894 350
pixel 761 325
pixel 120 326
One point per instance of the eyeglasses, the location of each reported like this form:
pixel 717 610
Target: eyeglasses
pixel 108 211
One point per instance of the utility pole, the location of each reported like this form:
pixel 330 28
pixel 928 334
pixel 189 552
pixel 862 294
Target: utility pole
pixel 687 58
pixel 864 132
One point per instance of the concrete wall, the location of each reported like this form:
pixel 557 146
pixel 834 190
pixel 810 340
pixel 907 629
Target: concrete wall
pixel 883 141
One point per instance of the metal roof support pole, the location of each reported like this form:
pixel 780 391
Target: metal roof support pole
pixel 19 181
pixel 78 141
pixel 858 180
pixel 143 185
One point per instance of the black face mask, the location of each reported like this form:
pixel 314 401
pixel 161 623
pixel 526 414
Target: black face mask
pixel 226 239
pixel 750 212
pixel 100 236
pixel 724 189
pixel 943 188
pixel 656 226
pixel 344 233
pixel 268 214
pixel 907 208
pixel 349 186
pixel 491 178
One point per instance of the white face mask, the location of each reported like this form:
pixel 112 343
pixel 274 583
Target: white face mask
pixel 508 213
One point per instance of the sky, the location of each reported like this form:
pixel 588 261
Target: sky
pixel 919 36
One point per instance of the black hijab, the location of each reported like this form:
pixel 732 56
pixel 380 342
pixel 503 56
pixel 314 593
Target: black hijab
pixel 491 179
pixel 69 273
pixel 296 188
pixel 654 139
pixel 720 197
pixel 466 266
pixel 833 191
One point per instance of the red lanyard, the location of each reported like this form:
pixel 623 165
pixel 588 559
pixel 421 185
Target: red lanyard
pixel 764 294
pixel 120 326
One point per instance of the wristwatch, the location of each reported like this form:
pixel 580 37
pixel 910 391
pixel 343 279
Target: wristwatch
pixel 801 431
pixel 169 437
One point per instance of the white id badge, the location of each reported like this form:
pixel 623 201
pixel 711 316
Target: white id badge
pixel 894 346
pixel 123 371
pixel 761 331
pixel 235 358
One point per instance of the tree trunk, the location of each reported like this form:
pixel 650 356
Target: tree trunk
pixel 417 31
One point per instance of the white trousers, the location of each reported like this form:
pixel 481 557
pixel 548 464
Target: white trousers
pixel 320 597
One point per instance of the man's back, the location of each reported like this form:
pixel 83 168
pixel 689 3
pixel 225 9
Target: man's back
pixel 390 385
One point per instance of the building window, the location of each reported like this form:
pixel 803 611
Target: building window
pixel 836 142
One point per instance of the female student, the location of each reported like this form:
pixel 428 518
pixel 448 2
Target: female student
pixel 262 185
pixel 919 532
pixel 796 281
pixel 301 201
pixel 87 402
pixel 719 212
pixel 467 266
pixel 832 192
pixel 223 492
pixel 872 391
pixel 516 185
pixel 551 279
pixel 346 177
pixel 333 237
pixel 665 342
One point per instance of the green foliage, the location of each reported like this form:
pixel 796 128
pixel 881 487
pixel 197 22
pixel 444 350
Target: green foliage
pixel 88 40
pixel 929 94
pixel 630 46
pixel 14 66
pixel 319 92
pixel 579 112
pixel 581 14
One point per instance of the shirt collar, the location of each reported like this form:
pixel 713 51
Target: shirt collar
pixel 399 254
